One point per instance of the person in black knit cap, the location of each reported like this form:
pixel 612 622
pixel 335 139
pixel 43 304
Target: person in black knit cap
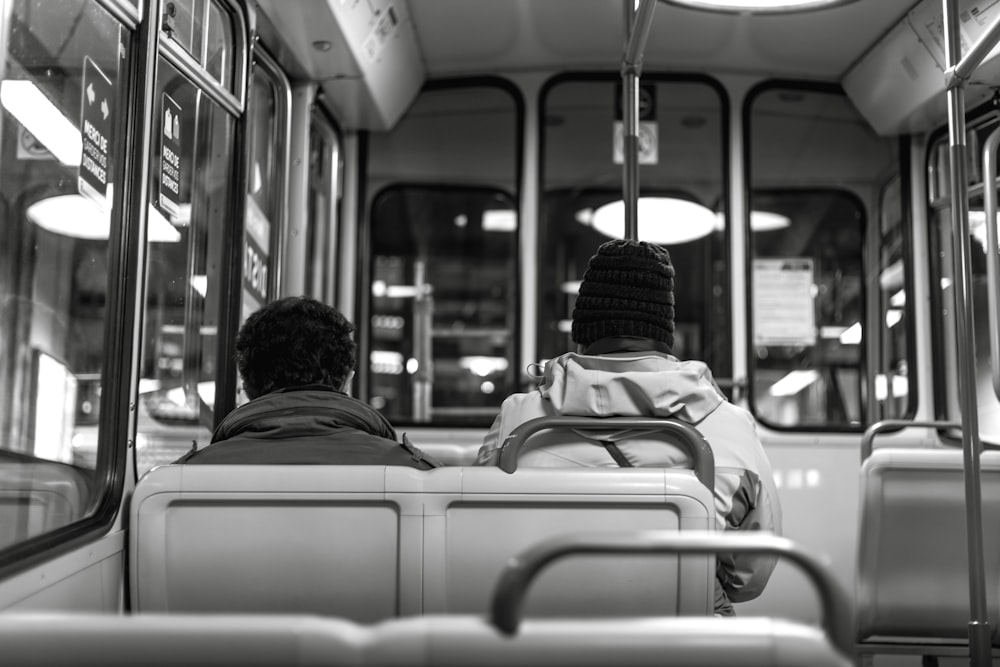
pixel 296 357
pixel 623 324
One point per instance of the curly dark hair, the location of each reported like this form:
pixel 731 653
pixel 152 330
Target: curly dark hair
pixel 293 342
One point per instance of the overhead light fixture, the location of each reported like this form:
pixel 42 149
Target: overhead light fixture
pixel 759 6
pixel 665 220
pixel 760 221
pixel 80 217
pixel 42 118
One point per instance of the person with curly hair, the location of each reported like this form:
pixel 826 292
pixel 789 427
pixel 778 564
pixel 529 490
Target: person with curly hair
pixel 296 358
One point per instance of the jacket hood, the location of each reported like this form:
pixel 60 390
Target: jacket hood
pixel 630 384
pixel 313 410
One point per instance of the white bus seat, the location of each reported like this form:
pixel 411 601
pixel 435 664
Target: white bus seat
pixel 38 496
pixel 162 640
pixel 476 518
pixel 913 570
pixel 371 542
pixel 327 540
pixel 176 640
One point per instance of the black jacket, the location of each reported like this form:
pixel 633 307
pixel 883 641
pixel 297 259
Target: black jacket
pixel 314 424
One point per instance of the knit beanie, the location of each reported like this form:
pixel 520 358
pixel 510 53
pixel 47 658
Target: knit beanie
pixel 628 290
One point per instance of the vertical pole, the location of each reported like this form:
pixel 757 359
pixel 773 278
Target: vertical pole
pixel 979 630
pixel 637 25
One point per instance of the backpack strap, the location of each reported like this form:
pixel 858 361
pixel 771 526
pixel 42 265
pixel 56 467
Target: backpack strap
pixel 616 454
pixel 417 455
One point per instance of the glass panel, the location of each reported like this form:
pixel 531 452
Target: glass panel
pixel 220 58
pixel 807 310
pixel 205 30
pixel 182 22
pixel 892 378
pixel 444 290
pixel 321 226
pixel 190 204
pixel 943 273
pixel 56 200
pixel 265 201
pixel 807 296
pixel 682 167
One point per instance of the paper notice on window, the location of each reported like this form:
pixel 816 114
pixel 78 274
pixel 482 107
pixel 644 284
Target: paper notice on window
pixel 783 309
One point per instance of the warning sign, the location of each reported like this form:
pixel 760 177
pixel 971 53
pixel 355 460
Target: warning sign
pixel 95 128
pixel 170 157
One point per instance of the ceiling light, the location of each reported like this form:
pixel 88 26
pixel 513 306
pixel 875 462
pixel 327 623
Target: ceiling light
pixel 79 217
pixel 663 220
pixel 42 118
pixel 759 6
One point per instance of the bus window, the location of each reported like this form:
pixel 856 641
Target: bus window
pixel 188 217
pixel 682 171
pixel 57 200
pixel 443 238
pixel 807 288
pixel 942 276
pixel 323 207
pixel 204 29
pixel 892 374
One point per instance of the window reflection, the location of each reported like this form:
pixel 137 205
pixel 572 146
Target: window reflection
pixel 178 364
pixel 53 258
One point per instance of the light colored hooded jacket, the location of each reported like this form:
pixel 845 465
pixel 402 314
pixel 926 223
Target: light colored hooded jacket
pixel 654 384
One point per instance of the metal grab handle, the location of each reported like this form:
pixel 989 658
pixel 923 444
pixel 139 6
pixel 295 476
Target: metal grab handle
pixel 868 438
pixel 508 596
pixel 687 437
pixel 992 259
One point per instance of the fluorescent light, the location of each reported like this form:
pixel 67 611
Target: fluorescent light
pixel 571 287
pixel 483 366
pixel 759 6
pixel 504 220
pixel 38 115
pixel 893 316
pixel 386 362
pixel 851 335
pixel 900 386
pixel 80 217
pixel 793 383
pixel 898 299
pixel 768 221
pixel 663 220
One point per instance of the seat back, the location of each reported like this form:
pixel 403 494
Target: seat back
pixel 476 519
pixel 271 538
pixel 913 569
pixel 371 542
pixel 175 640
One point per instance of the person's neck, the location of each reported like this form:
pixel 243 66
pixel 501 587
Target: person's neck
pixel 614 344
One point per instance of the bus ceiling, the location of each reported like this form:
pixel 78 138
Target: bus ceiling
pixel 899 84
pixel 367 59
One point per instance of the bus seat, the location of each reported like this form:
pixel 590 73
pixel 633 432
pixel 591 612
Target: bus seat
pixel 37 496
pixel 372 542
pixel 220 640
pixel 476 518
pixel 913 571
pixel 499 638
pixel 273 538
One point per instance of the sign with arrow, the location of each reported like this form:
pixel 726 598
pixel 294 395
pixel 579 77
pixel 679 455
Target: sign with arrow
pixel 95 130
